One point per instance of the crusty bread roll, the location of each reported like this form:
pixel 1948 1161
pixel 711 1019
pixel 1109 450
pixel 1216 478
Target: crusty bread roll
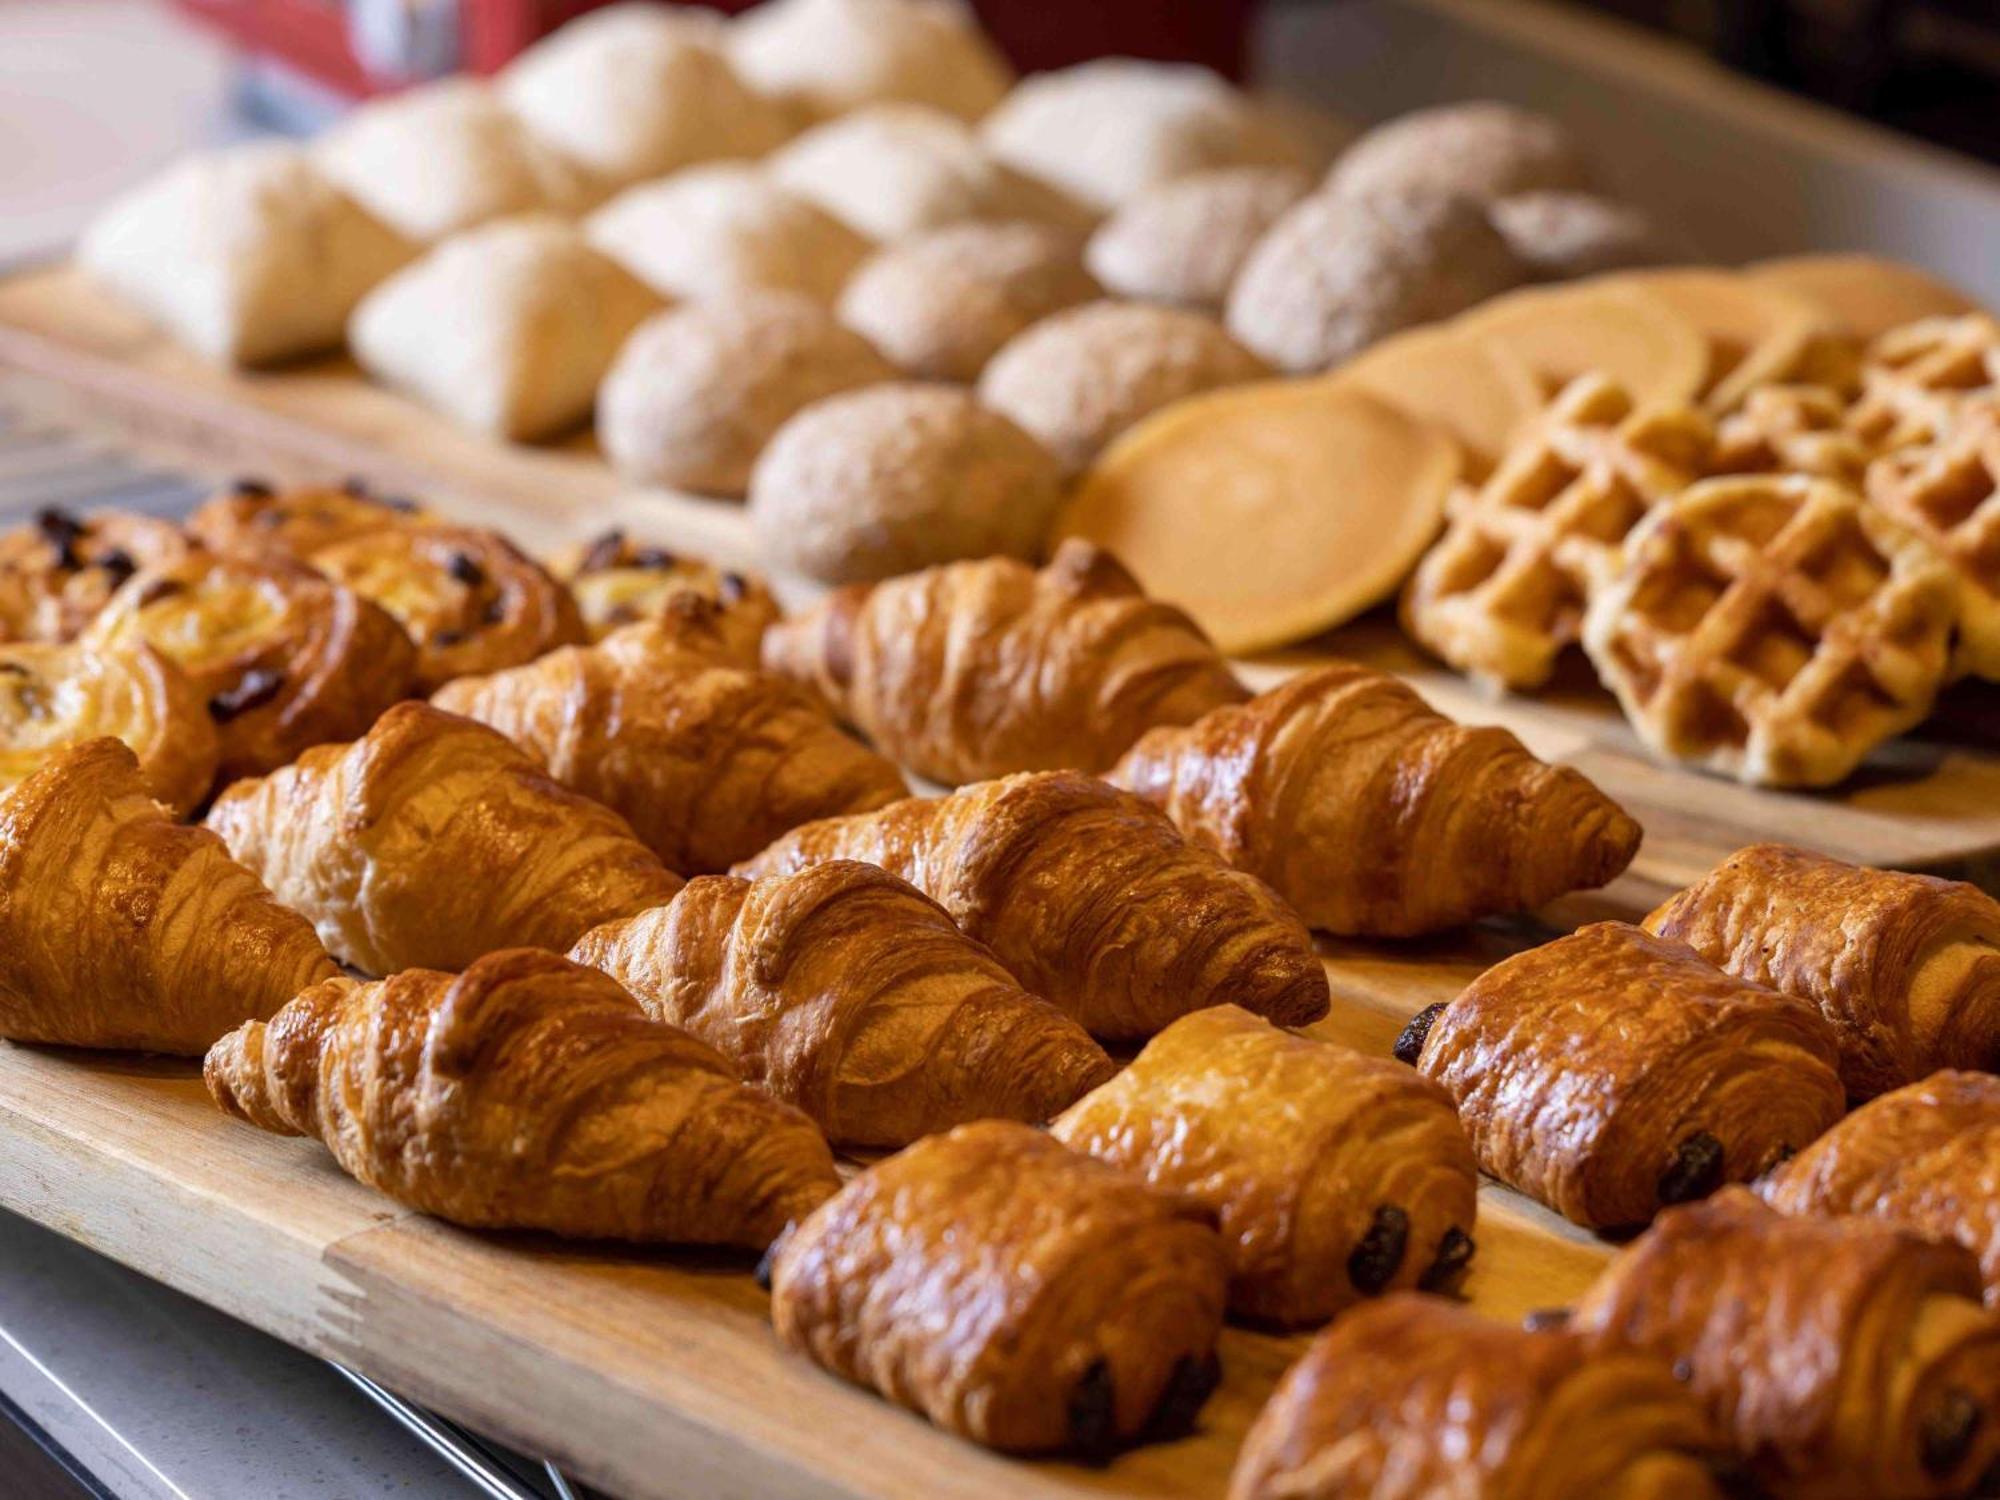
pixel 1183 241
pixel 826 57
pixel 1478 148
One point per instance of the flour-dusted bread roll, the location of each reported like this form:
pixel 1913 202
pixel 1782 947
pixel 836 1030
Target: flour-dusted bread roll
pixel 1478 149
pixel 1078 379
pixel 634 91
pixel 1184 241
pixel 892 478
pixel 826 57
pixel 445 157
pixel 891 170
pixel 509 328
pixel 248 255
pixel 724 227
pixel 698 391
pixel 1106 130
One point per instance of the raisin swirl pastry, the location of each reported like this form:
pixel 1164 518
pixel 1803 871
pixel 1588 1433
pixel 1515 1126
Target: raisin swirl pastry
pixel 1845 1359
pixel 1334 1176
pixel 1906 968
pixel 527 1093
pixel 285 657
pixel 255 517
pixel 122 928
pixel 53 696
pixel 1012 1291
pixel 61 570
pixel 1414 1398
pixel 1611 1072
pixel 432 840
pixel 619 582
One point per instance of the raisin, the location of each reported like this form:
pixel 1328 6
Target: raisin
pixel 653 559
pixel 250 488
pixel 1545 1319
pixel 118 563
pixel 1454 1254
pixel 1410 1045
pixel 465 568
pixel 603 553
pixel 731 587
pixel 356 488
pixel 1696 1171
pixel 61 531
pixel 494 612
pixel 1093 1413
pixel 1948 1432
pixel 256 688
pixel 1379 1253
pixel 446 638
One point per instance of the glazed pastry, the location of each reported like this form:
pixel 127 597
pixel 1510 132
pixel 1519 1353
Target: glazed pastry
pixel 1922 1157
pixel 1012 1291
pixel 707 760
pixel 65 567
pixel 978 669
pixel 468 597
pixel 284 657
pixel 1088 896
pixel 254 517
pixel 1334 1176
pixel 846 992
pixel 1412 1398
pixel 1847 1360
pixel 1611 1072
pixel 527 1093
pixel 617 581
pixel 432 840
pixel 121 928
pixel 1373 814
pixel 1906 968
pixel 52 697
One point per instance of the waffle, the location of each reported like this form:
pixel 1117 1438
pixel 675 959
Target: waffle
pixel 1502 592
pixel 1773 628
pixel 1918 379
pixel 1949 494
pixel 1791 429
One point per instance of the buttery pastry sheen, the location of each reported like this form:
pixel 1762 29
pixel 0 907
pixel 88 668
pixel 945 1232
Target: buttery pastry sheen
pixel 526 1093
pixel 1334 1175
pixel 1012 1291
pixel 618 582
pixel 254 517
pixel 62 568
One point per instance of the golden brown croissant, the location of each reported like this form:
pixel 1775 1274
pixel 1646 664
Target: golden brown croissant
pixel 527 1093
pixel 978 669
pixel 1611 1072
pixel 432 840
pixel 61 569
pixel 255 517
pixel 1905 967
pixel 53 696
pixel 121 928
pixel 1847 1360
pixel 1088 896
pixel 285 658
pixel 1925 1157
pixel 1373 814
pixel 708 760
pixel 1012 1291
pixel 1413 1398
pixel 846 992
pixel 1334 1176
pixel 618 582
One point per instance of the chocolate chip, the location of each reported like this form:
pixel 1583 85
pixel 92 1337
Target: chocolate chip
pixel 1378 1255
pixel 157 589
pixel 1188 1388
pixel 465 568
pixel 1696 1171
pixel 1547 1319
pixel 1446 1270
pixel 253 690
pixel 1948 1432
pixel 603 553
pixel 731 587
pixel 1410 1045
pixel 1093 1413
pixel 118 563
pixel 653 559
pixel 251 489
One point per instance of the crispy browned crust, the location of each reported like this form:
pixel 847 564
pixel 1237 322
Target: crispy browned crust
pixel 1848 1360
pixel 527 1092
pixel 121 928
pixel 1413 1398
pixel 1334 1175
pixel 1906 968
pixel 57 572
pixel 1373 814
pixel 1088 896
pixel 1611 1072
pixel 432 840
pixel 1012 1291
pixel 845 991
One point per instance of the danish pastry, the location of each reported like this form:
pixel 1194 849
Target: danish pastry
pixel 65 568
pixel 251 516
pixel 617 581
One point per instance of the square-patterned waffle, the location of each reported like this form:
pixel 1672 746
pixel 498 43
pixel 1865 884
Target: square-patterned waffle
pixel 1791 429
pixel 1949 494
pixel 1502 592
pixel 1918 379
pixel 1774 628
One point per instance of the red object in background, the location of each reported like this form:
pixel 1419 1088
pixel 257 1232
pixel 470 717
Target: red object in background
pixel 312 36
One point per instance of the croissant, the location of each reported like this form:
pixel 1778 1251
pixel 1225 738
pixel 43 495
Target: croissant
pixel 284 657
pixel 1373 814
pixel 1925 1157
pixel 1012 1291
pixel 1414 1398
pixel 432 840
pixel 1846 1360
pixel 121 928
pixel 1906 968
pixel 254 517
pixel 1334 1176
pixel 978 669
pixel 1088 896
pixel 1611 1072
pixel 617 582
pixel 61 569
pixel 54 696
pixel 708 760
pixel 527 1093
